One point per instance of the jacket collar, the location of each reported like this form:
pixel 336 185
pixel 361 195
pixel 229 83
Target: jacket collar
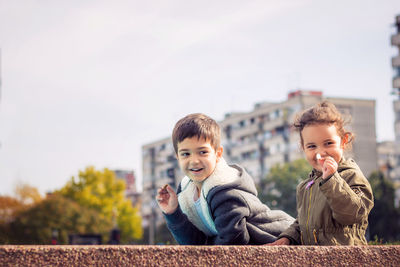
pixel 222 174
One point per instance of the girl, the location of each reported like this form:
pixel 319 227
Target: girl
pixel 334 202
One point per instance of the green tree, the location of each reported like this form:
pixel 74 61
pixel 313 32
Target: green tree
pixel 278 188
pixel 35 224
pixel 103 192
pixel 384 219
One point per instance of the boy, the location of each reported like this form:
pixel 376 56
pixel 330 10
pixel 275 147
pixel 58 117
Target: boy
pixel 216 203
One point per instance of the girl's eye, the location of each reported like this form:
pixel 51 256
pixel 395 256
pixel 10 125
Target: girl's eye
pixel 310 146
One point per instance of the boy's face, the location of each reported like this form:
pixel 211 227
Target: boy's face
pixel 197 158
pixel 321 139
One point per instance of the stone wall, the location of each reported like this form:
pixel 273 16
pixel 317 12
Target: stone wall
pixel 107 255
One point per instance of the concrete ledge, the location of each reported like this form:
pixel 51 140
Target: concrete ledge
pixel 199 256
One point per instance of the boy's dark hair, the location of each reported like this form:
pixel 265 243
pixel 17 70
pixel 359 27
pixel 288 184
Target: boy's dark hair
pixel 199 125
pixel 323 113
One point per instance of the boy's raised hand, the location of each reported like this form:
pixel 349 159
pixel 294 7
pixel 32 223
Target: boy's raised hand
pixel 329 166
pixel 167 199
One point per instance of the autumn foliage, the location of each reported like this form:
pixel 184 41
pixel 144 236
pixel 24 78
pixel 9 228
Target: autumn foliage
pixel 92 203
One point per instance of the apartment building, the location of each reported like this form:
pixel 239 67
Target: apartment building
pixel 159 168
pixel 128 176
pixel 395 41
pixel 386 158
pixel 259 139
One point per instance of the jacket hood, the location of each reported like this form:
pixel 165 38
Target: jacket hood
pixel 222 179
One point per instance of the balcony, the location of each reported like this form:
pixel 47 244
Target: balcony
pixel 396 82
pixel 396 62
pixel 396 39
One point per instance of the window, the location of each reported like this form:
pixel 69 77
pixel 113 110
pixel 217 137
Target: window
pixel 267 135
pixel 228 130
pixel 253 154
pixel 171 158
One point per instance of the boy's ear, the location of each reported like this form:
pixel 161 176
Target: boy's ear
pixel 219 152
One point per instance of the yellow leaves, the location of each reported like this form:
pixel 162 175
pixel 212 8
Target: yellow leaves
pixel 102 191
pixel 27 194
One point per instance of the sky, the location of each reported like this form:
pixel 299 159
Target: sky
pixel 88 83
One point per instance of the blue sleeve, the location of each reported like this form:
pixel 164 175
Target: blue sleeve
pixel 184 232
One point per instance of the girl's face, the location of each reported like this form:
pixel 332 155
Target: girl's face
pixel 322 139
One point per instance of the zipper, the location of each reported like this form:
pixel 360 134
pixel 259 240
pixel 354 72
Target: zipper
pixel 308 216
pixel 315 236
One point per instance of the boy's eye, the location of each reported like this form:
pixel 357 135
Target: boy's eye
pixel 310 146
pixel 184 154
pixel 203 152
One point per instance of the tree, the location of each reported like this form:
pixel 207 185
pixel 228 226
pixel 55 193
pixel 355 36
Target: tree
pixel 278 188
pixel 9 207
pixel 25 197
pixel 384 219
pixel 56 213
pixel 103 192
pixel 27 194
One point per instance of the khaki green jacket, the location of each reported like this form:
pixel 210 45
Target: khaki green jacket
pixel 333 211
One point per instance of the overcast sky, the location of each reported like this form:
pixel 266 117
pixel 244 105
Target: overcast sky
pixel 90 82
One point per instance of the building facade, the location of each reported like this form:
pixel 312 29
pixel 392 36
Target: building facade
pixel 131 193
pixel 259 139
pixel 395 41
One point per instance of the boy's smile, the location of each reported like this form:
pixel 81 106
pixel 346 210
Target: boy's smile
pixel 197 158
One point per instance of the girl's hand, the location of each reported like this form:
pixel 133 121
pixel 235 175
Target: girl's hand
pixel 167 199
pixel 280 242
pixel 329 166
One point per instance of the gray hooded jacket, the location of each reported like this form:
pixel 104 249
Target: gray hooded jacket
pixel 229 198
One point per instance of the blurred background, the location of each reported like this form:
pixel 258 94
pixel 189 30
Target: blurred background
pixel 90 92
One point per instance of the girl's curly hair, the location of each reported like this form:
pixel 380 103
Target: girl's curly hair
pixel 323 113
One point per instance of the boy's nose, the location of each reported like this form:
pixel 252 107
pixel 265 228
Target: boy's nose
pixel 195 159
